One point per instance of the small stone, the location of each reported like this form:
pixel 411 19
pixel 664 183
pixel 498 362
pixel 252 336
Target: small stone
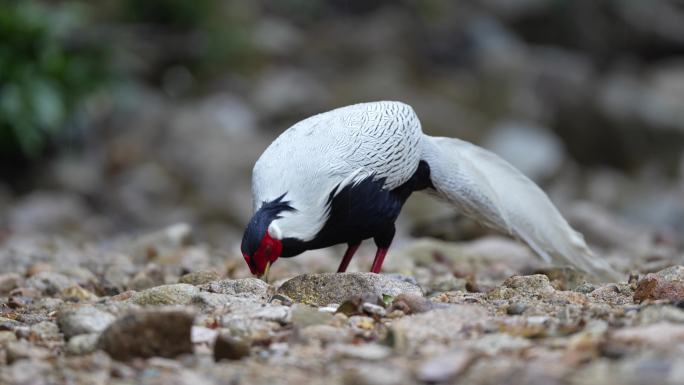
pixel 84 320
pixel 373 309
pixel 22 350
pixel 413 304
pixel 201 335
pixel 82 344
pixel 326 334
pixel 79 293
pixel 516 308
pixel 230 348
pixel 366 352
pixel 564 278
pixel 46 331
pixel 200 277
pixel 38 268
pixel 49 283
pixel 148 333
pixel 326 288
pixel 444 367
pixel 250 329
pixel 9 282
pixel 176 294
pixel 210 301
pixel 251 287
pixel 6 337
pixel 667 284
pixel 46 304
pixel 373 374
pixel 279 314
pixel 304 315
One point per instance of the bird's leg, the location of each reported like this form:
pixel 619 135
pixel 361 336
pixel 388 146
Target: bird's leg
pixel 351 249
pixel 379 259
pixel 383 241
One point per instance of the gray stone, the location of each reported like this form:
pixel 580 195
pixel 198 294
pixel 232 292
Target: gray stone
pixel 250 329
pixel 46 330
pixel 9 282
pixel 326 334
pixel 366 352
pixel 303 316
pixel 24 350
pixel 175 294
pixel 84 320
pixel 444 367
pixel 148 333
pixel 49 283
pixel 82 344
pixel 327 288
pixel 200 277
pixel 6 337
pixel 242 287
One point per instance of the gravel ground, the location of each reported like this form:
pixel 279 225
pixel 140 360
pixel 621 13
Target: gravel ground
pixel 162 309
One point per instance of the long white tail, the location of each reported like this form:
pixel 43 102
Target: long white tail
pixel 493 192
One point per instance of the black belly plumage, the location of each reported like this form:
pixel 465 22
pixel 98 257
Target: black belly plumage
pixel 361 211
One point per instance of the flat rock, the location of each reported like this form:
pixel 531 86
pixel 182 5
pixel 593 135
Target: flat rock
pixel 148 333
pixel 84 320
pixel 240 287
pixel 327 288
pixel 176 294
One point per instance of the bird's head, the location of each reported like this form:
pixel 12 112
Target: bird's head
pixel 262 241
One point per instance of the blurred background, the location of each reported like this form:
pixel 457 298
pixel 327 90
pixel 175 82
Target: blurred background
pixel 122 117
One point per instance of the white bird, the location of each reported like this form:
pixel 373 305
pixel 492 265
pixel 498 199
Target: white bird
pixel 343 176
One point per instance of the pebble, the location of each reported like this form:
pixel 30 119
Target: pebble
pixel 200 277
pixel 230 348
pixel 83 320
pixel 175 294
pixel 49 283
pixel 148 333
pixel 444 367
pixel 304 315
pixel 82 344
pixel 365 352
pixel 9 282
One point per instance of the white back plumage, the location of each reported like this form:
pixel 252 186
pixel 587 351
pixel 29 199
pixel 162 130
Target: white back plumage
pixel 332 149
pixel 384 139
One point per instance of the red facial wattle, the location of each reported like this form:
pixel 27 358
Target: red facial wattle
pixel 269 250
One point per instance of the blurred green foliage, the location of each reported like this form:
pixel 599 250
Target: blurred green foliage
pixel 54 54
pixel 46 69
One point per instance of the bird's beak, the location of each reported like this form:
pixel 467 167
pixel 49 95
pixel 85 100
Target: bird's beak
pixel 264 276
